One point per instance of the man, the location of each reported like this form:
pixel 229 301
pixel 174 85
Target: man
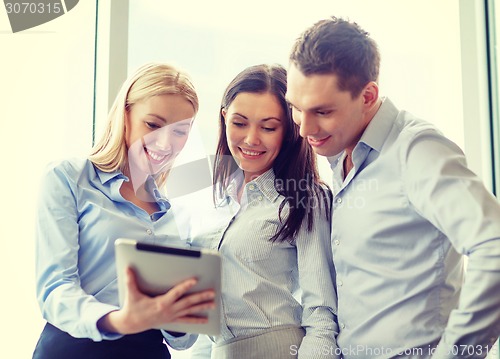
pixel 406 210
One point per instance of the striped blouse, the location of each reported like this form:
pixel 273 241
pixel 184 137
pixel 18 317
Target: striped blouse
pixel 268 284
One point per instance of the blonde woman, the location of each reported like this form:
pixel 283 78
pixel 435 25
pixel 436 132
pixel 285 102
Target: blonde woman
pixel 86 204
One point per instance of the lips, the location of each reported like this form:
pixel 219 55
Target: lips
pixel 317 142
pixel 251 153
pixel 157 157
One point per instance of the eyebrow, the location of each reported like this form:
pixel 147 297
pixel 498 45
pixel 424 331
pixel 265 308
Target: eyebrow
pixel 321 107
pixel 181 124
pixel 158 117
pixel 263 119
pixel 315 108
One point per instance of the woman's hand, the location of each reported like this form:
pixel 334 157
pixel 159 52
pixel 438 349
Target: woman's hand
pixel 141 312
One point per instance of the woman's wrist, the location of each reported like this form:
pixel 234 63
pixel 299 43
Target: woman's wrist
pixel 112 323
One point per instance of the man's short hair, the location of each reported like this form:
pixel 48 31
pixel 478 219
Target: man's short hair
pixel 337 46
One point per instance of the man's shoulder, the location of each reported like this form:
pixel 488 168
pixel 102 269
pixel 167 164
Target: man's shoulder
pixel 404 122
pixel 411 125
pixel 409 128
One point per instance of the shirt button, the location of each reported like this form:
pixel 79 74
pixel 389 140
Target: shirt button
pixel 260 198
pixel 339 200
pixel 337 242
pixel 342 325
pixel 148 231
pixel 251 187
pixel 340 283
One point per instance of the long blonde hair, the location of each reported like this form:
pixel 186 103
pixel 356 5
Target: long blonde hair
pixel 110 152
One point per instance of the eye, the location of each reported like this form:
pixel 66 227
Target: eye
pixel 180 133
pixel 152 125
pixel 269 129
pixel 323 112
pixel 238 124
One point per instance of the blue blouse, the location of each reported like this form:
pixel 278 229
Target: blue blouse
pixel 80 215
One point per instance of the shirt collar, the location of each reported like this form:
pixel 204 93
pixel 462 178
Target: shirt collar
pixel 377 130
pixel 381 124
pixel 105 177
pixel 235 182
pixel 265 184
pixel 150 185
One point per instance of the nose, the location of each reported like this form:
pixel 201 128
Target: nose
pixel 164 139
pixel 252 137
pixel 307 124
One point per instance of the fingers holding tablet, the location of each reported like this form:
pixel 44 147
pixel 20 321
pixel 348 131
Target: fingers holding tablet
pixel 169 288
pixel 183 307
pixel 192 308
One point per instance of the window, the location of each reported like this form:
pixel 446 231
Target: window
pixel 493 14
pixel 419 42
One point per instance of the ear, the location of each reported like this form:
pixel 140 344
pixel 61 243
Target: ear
pixel 223 112
pixel 370 94
pixel 125 122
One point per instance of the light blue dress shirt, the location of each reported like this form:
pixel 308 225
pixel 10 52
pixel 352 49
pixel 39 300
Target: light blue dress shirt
pixel 80 215
pixel 266 284
pixel 403 219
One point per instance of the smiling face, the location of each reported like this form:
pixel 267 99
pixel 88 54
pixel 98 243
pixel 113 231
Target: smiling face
pixel 254 131
pixel 156 130
pixel 330 119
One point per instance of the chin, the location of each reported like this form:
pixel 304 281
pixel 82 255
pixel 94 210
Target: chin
pixel 325 152
pixel 249 169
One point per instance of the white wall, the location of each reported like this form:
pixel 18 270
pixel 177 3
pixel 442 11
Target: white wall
pixel 46 96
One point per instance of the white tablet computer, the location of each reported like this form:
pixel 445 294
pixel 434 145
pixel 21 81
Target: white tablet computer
pixel 159 268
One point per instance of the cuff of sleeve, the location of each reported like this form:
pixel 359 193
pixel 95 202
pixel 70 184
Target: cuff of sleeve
pixel 180 343
pixel 90 325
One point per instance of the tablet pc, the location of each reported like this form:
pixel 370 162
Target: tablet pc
pixel 159 268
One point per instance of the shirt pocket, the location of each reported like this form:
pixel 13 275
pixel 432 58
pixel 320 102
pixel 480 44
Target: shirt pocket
pixel 256 246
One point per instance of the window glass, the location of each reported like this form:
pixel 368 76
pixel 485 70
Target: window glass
pixel 494 61
pixel 419 44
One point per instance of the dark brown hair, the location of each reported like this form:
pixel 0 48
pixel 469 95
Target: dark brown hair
pixel 295 169
pixel 340 47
